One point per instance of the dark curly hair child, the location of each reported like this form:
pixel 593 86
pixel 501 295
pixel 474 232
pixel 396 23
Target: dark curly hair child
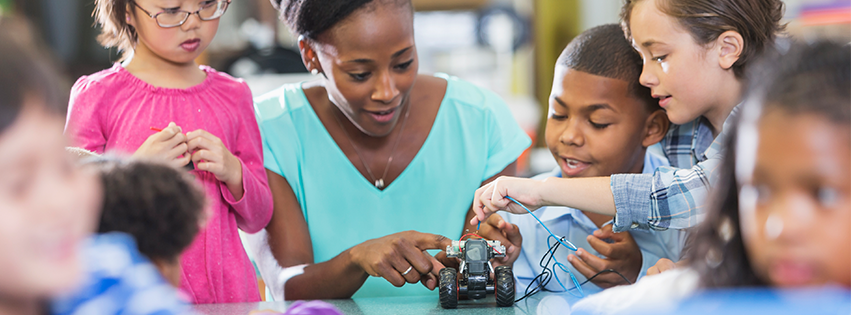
pixel 160 206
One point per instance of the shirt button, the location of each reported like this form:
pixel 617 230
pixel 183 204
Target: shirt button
pixel 634 225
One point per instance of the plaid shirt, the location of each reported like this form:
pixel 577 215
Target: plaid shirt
pixel 674 196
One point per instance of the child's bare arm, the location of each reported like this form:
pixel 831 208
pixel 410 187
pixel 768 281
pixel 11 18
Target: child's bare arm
pixel 587 193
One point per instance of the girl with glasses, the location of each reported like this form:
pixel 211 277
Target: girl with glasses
pixel 159 104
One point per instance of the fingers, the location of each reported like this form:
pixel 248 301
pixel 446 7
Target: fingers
pixel 178 151
pixel 181 161
pixel 436 264
pixel 429 280
pixel 201 139
pixel 477 207
pixel 169 131
pixel 206 160
pixel 498 193
pixel 601 246
pixel 388 272
pixel 407 271
pixel 583 268
pixel 425 241
pixel 511 231
pixel 509 234
pixel 594 262
pixel 605 232
pixel 661 266
pixel 481 201
pixel 443 262
pixel 603 280
pixel 417 258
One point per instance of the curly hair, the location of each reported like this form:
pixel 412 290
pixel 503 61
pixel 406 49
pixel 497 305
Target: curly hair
pixel 758 21
pixel 160 206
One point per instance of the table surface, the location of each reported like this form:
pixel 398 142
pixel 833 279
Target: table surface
pixel 541 303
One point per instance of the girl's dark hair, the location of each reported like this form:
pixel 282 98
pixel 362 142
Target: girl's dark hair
pixel 25 74
pixel 808 78
pixel 805 79
pixel 715 248
pixel 111 16
pixel 311 18
pixel 758 21
pixel 158 205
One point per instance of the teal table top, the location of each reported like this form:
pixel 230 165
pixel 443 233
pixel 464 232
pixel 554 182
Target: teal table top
pixel 541 303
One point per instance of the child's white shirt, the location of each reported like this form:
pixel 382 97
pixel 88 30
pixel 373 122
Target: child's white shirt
pixel 657 293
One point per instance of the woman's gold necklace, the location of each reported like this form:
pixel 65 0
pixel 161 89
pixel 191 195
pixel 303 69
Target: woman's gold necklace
pixel 379 183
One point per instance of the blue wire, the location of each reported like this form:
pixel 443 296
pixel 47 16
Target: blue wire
pixel 571 246
pixel 561 240
pixel 564 268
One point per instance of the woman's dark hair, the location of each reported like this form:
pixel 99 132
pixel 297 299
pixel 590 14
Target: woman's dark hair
pixel 310 18
pixel 25 74
pixel 758 21
pixel 805 79
pixel 158 205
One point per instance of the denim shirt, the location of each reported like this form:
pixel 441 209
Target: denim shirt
pixel 575 226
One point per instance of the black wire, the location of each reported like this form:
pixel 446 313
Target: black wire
pixel 543 278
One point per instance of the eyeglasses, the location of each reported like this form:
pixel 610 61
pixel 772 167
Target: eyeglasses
pixel 210 10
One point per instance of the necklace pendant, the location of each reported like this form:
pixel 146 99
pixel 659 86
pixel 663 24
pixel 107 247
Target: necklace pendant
pixel 379 183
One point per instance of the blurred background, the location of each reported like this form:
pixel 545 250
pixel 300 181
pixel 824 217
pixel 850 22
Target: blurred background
pixel 508 46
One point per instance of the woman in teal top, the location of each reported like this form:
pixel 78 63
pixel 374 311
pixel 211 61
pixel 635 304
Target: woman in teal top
pixel 349 155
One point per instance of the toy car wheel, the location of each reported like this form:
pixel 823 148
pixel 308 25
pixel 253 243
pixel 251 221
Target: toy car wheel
pixel 504 286
pixel 448 288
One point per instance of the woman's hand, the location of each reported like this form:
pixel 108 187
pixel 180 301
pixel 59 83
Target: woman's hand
pixel 167 146
pixel 490 198
pixel 210 154
pixel 400 257
pixel 623 255
pixel 496 228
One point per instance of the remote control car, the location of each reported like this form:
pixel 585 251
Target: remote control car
pixel 475 281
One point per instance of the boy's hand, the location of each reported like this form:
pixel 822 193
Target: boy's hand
pixel 210 154
pixel 623 255
pixel 167 146
pixel 496 228
pixel 490 198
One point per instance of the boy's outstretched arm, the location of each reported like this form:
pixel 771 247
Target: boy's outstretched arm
pixel 592 194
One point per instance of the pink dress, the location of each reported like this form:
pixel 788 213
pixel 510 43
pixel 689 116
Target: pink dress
pixel 113 111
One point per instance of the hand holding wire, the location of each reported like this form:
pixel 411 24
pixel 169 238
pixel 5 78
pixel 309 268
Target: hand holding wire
pixel 492 197
pixel 622 254
pixel 540 282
